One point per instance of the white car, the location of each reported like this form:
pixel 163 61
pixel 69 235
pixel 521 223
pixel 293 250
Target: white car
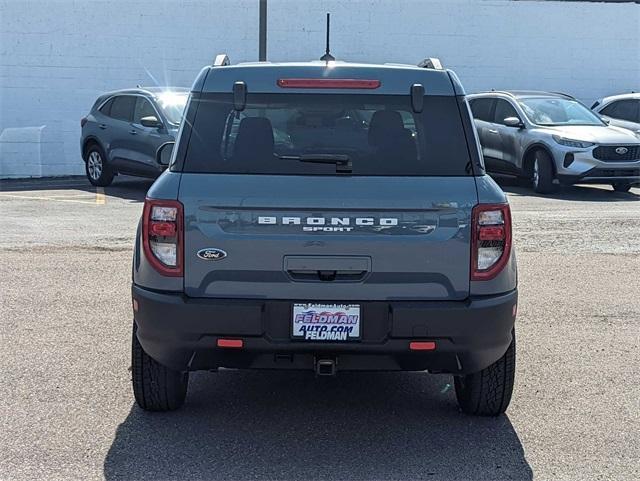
pixel 620 110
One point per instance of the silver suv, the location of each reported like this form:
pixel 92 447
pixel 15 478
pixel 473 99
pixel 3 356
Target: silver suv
pixel 551 138
pixel 620 110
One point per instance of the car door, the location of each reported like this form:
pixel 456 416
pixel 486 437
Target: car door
pixel 118 129
pixel 623 113
pixel 482 109
pixel 508 137
pixel 145 140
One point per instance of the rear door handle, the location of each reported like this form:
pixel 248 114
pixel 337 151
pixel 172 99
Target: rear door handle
pixel 103 126
pixel 133 132
pixel 492 131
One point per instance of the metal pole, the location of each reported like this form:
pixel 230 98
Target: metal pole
pixel 262 36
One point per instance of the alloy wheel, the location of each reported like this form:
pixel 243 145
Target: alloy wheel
pixel 94 165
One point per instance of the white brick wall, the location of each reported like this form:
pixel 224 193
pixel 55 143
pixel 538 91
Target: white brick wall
pixel 56 56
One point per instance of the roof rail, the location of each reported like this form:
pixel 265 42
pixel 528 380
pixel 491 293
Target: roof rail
pixel 221 60
pixel 503 92
pixel 564 95
pixel 432 63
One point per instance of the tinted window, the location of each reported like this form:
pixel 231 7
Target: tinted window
pixel 106 108
pixel 481 109
pixel 623 110
pixel 143 109
pixel 122 107
pixel 379 135
pixel 503 110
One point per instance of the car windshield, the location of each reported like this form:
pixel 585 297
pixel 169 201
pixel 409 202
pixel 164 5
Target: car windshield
pixel 324 134
pixel 172 105
pixel 558 111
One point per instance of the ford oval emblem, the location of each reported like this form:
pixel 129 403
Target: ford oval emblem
pixel 621 150
pixel 211 254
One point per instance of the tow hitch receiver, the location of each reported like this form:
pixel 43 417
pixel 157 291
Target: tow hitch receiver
pixel 325 367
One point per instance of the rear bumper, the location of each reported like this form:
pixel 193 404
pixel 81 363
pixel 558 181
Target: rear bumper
pixel 182 333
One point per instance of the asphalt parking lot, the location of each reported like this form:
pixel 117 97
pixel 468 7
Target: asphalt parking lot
pixel 67 410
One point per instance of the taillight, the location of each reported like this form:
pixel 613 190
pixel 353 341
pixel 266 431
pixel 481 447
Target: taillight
pixel 490 240
pixel 83 121
pixel 162 234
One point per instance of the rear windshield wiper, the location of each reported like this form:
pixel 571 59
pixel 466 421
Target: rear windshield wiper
pixel 342 162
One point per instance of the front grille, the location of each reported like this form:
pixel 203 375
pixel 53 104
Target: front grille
pixel 614 173
pixel 607 153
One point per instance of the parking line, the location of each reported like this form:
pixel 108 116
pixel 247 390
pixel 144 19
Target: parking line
pixel 55 199
pixel 100 197
pixel 86 195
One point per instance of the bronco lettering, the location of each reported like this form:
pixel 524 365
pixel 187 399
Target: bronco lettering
pixel 321 221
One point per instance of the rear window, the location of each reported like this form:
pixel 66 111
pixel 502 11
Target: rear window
pixel 303 134
pixel 106 108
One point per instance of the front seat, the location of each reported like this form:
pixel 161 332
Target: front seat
pixel 254 142
pixel 390 140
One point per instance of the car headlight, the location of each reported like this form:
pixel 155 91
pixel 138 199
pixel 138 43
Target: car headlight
pixel 579 144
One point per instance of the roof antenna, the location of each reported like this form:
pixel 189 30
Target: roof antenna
pixel 327 57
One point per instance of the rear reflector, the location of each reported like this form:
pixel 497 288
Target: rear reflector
pixel 233 343
pixel 422 345
pixel 489 233
pixel 312 83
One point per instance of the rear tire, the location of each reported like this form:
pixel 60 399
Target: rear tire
pixel 155 387
pixel 98 171
pixel 542 173
pixel 488 392
pixel 621 186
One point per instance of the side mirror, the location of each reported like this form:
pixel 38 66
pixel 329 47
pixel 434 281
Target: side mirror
pixel 164 152
pixel 513 122
pixel 606 120
pixel 151 121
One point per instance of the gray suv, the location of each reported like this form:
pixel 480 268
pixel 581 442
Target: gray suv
pixel 548 138
pixel 325 216
pixel 124 129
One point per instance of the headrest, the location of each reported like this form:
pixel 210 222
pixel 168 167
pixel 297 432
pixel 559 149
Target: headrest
pixel 385 123
pixel 255 136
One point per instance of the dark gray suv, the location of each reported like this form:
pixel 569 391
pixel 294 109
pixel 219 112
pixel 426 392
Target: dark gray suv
pixel 124 130
pixel 329 217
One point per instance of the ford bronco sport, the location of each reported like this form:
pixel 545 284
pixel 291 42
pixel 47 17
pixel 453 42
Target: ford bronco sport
pixel 325 216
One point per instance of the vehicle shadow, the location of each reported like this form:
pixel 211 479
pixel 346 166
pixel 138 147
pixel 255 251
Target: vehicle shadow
pixel 124 187
pixel 292 426
pixel 583 193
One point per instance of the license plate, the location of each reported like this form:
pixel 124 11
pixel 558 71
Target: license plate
pixel 326 322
